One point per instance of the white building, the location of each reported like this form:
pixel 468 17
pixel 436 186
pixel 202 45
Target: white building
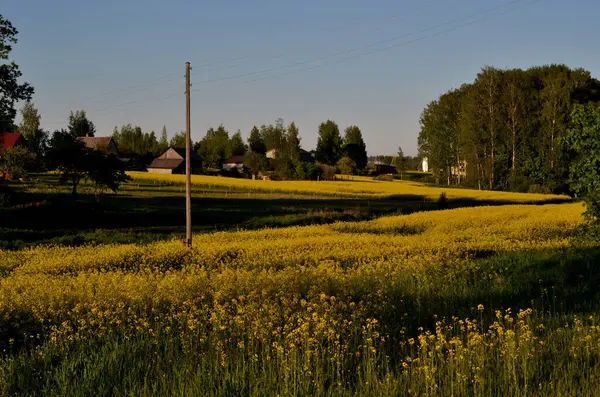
pixel 424 165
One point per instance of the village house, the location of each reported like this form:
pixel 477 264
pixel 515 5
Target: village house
pixel 173 162
pixel 11 139
pixel 383 169
pixel 234 163
pixel 104 144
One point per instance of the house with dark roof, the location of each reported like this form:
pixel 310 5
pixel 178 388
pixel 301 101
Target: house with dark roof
pixel 234 163
pixel 173 162
pixel 102 143
pixel 11 139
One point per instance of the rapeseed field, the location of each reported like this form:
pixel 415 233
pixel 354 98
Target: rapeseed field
pixel 347 186
pixel 494 300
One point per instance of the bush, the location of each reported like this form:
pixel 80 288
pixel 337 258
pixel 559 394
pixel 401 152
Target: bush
pixel 538 189
pixel 442 201
pixel 327 172
pixel 346 166
pixel 19 161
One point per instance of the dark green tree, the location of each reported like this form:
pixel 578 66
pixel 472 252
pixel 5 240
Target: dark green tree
pixel 583 140
pixel 36 137
pixel 67 154
pixel 256 142
pixel 237 147
pixel 355 147
pixel 76 162
pixel 272 135
pixel 10 89
pixel 106 172
pixel 329 143
pixel 178 140
pixel 291 143
pixel 401 162
pixel 256 162
pixel 79 125
pixel 163 143
pixel 215 147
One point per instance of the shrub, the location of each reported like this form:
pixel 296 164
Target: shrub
pixel 442 201
pixel 346 166
pixel 327 172
pixel 538 189
pixel 19 161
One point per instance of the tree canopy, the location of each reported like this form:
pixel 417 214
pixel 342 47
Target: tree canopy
pixel 10 89
pixel 80 125
pixel 583 139
pixel 256 142
pixel 329 143
pixel 506 129
pixel 30 128
pixel 355 147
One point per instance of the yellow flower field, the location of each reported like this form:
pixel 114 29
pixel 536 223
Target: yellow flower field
pixel 352 187
pixel 379 307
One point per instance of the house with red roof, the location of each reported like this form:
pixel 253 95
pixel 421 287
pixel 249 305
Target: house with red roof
pixel 11 139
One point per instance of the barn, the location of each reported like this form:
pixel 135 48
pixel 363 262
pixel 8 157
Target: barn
pixel 173 162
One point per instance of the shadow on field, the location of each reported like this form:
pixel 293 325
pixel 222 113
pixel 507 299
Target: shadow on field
pixel 555 282
pixel 143 215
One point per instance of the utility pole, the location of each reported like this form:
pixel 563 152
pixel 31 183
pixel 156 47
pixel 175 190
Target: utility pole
pixel 188 162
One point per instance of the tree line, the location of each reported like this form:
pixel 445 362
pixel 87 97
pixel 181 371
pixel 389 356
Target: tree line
pixel 507 129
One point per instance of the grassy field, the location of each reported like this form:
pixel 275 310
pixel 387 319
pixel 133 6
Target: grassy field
pixel 493 298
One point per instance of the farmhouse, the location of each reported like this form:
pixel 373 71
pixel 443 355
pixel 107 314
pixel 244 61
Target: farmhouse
pixel 173 162
pixel 234 163
pixel 103 144
pixel 11 139
pixel 381 169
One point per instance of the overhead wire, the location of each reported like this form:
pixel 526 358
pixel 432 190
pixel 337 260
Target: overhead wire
pixel 172 76
pixel 355 49
pixel 354 56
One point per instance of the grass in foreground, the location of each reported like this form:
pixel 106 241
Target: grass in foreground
pixel 474 301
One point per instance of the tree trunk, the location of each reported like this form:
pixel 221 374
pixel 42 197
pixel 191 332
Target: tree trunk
pixel 75 183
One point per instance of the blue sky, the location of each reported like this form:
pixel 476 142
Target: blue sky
pixel 123 61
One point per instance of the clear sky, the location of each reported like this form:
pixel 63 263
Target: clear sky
pixel 373 63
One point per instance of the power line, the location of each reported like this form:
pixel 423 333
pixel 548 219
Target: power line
pixel 337 61
pixel 404 16
pixel 132 87
pixel 299 63
pixel 438 33
pixel 144 86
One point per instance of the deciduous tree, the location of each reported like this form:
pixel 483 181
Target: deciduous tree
pixel 256 142
pixel 30 128
pixel 80 125
pixel 355 147
pixel 10 89
pixel 329 143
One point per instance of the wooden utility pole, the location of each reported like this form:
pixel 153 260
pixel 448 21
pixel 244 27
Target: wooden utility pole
pixel 188 161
